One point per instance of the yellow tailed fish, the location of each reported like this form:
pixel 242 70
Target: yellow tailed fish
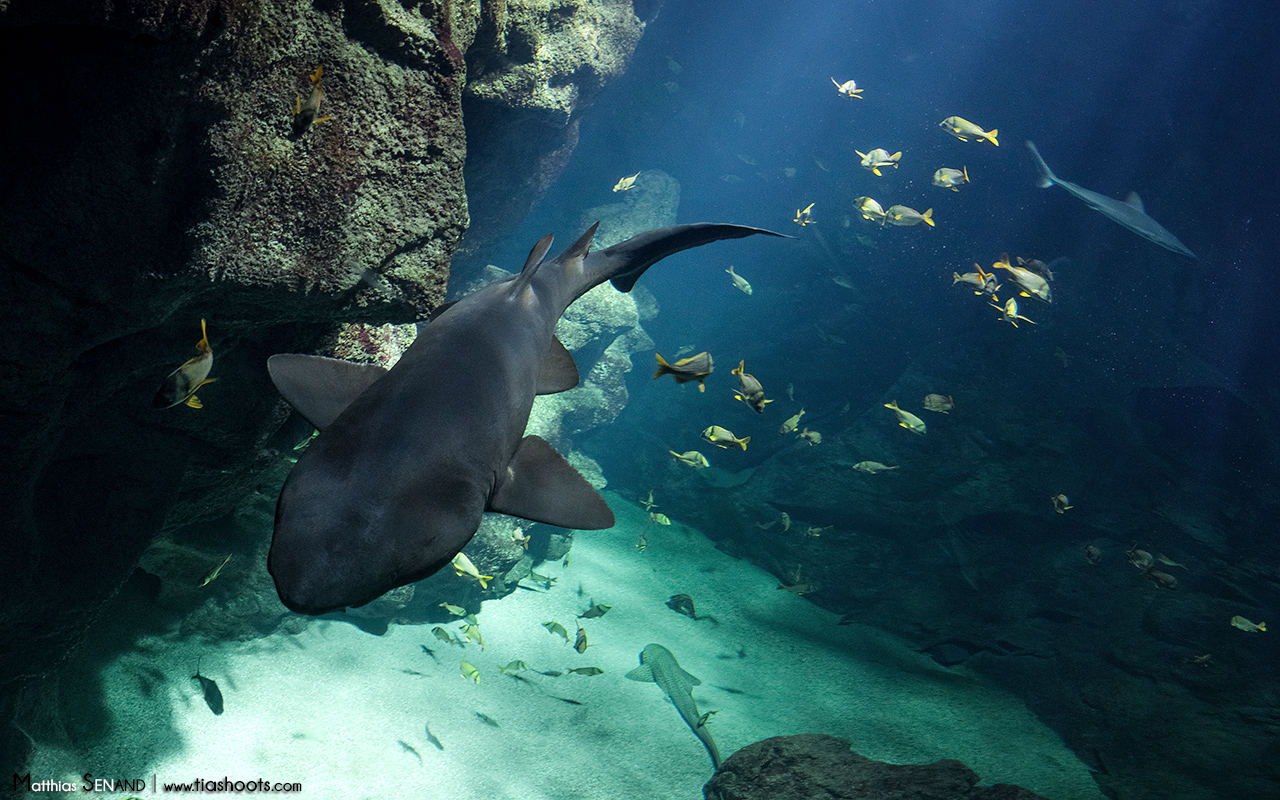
pixel 216 570
pixel 739 281
pixel 691 457
pixel 848 89
pixel 805 216
pixel 963 130
pixel 879 157
pixel 906 419
pixel 871 467
pixel 870 209
pixel 791 423
pixel 749 389
pixel 1033 284
pixel 182 383
pixel 1245 625
pixel 949 178
pixel 693 368
pixel 1009 313
pixel 624 184
pixel 905 217
pixel 306 114
pixel 724 438
pixel 463 566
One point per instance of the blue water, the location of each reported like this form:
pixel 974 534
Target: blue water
pixel 1172 100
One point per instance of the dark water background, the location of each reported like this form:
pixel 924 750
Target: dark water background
pixel 1172 100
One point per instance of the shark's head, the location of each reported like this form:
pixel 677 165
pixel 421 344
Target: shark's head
pixel 329 553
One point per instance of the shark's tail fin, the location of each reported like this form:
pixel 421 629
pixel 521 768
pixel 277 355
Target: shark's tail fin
pixel 1047 178
pixel 625 262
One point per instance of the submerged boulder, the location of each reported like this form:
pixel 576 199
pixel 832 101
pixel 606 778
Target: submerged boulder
pixel 157 179
pixel 814 765
pixel 536 65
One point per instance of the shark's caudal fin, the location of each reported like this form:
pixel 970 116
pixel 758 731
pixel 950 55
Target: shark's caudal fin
pixel 625 262
pixel 1047 178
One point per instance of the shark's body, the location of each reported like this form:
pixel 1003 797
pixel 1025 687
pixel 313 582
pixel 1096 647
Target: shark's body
pixel 408 460
pixel 1128 213
pixel 657 664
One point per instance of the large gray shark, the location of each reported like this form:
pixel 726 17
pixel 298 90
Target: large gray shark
pixel 1129 213
pixel 657 664
pixel 408 460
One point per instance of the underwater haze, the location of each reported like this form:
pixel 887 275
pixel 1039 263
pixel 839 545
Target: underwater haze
pixel 992 467
pixel 1145 392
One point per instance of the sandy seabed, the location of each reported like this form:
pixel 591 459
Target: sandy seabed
pixel 345 713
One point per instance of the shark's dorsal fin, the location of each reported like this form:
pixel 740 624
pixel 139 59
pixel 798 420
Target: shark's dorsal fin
pixel 538 253
pixel 558 372
pixel 320 388
pixel 1135 201
pixel 531 265
pixel 580 248
pixel 539 485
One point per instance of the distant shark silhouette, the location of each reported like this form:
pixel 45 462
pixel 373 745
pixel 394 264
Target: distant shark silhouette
pixel 408 460
pixel 657 664
pixel 1129 213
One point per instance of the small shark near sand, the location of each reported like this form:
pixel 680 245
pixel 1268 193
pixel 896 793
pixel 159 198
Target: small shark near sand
pixel 408 460
pixel 1128 213
pixel 657 664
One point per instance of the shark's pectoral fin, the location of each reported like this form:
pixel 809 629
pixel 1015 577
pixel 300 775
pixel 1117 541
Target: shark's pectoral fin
pixel 538 484
pixel 320 388
pixel 558 372
pixel 642 673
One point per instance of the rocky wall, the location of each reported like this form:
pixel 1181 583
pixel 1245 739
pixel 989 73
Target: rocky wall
pixel 156 176
pixel 535 67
